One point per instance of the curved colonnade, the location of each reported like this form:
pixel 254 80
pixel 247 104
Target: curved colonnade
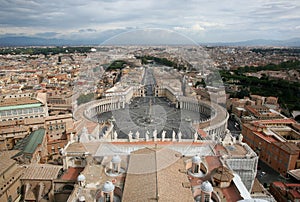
pixel 214 126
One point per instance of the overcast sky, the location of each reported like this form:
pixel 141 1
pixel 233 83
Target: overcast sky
pixel 202 21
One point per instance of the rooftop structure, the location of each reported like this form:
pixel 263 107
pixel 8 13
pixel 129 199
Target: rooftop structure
pixel 161 158
pixel 151 180
pixel 254 108
pixel 38 181
pixel 10 173
pixel 32 148
pixel 23 107
pixel 285 191
pixel 276 143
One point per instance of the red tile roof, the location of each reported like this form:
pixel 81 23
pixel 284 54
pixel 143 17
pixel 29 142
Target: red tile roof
pixel 265 137
pixel 231 193
pixel 291 121
pixel 213 162
pixel 295 194
pixel 71 174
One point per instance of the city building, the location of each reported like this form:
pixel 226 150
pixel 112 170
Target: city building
pixel 59 101
pixel 254 108
pixel 165 167
pixel 19 115
pixel 285 191
pixel 32 148
pixel 59 130
pixel 38 182
pixel 21 106
pixel 10 173
pixel 276 142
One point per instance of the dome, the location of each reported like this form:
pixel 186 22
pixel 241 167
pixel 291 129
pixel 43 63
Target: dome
pixel 84 130
pixel 80 178
pixel 222 174
pixel 108 187
pixel 81 198
pixel 196 159
pixel 206 186
pixel 116 159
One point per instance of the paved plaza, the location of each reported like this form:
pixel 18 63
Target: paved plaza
pixel 152 113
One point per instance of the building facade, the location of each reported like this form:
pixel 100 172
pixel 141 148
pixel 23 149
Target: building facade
pixel 276 143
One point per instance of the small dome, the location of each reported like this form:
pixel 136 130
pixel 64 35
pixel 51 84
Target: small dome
pixel 196 159
pixel 80 178
pixel 222 174
pixel 81 198
pixel 116 159
pixel 206 186
pixel 84 130
pixel 108 187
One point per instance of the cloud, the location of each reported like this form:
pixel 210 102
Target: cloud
pixel 206 20
pixel 197 27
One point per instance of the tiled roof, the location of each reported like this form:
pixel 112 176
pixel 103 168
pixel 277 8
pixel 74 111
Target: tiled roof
pixel 41 172
pixel 295 173
pixel 31 142
pixel 76 147
pixel 222 174
pixel 288 147
pixel 35 138
pixel 276 121
pixel 265 137
pixel 71 174
pixel 257 187
pixel 154 173
pixel 5 162
pixel 18 101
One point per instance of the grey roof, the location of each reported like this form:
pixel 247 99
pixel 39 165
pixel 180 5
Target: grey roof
pixel 80 178
pixel 196 159
pixel 29 144
pixel 206 186
pixel 108 187
pixel 116 159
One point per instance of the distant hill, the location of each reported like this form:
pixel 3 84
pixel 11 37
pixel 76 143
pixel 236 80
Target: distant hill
pixel 294 42
pixel 33 41
pixel 37 41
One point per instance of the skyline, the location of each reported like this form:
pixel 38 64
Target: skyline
pixel 200 21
